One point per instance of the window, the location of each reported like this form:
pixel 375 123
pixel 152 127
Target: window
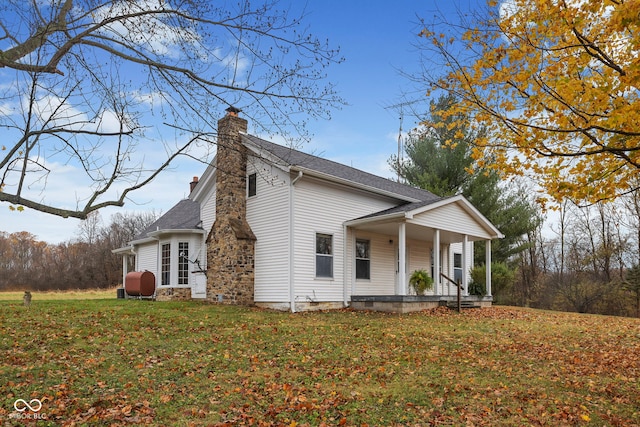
pixel 363 261
pixel 183 263
pixel 324 255
pixel 457 268
pixel 252 185
pixel 165 272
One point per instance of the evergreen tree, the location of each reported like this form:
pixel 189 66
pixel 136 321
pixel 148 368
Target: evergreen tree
pixel 438 159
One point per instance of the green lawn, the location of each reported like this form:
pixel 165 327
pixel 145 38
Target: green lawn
pixel 119 362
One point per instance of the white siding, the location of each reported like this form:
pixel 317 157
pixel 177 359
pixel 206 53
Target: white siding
pixel 208 210
pixel 147 258
pixel 453 218
pixel 419 259
pixel 322 207
pixel 268 216
pixel 382 258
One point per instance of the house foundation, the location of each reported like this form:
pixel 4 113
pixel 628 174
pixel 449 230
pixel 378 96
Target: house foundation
pixel 410 303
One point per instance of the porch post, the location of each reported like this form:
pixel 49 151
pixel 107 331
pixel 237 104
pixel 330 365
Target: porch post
pixel 487 261
pixel 436 260
pixel 465 279
pixel 402 254
pixel 125 263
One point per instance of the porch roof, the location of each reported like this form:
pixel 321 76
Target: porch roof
pixel 455 216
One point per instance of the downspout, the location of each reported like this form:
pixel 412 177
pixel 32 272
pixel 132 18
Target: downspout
pixel 158 266
pixel 292 293
pixel 344 265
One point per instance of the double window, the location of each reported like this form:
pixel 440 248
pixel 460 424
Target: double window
pixel 324 255
pixel 363 259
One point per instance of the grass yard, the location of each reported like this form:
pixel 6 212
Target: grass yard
pixel 119 362
pixel 61 295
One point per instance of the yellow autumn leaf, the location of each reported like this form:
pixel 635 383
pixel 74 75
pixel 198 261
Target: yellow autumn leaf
pixel 550 80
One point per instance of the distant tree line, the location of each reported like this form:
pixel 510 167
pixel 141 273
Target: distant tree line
pixel 589 262
pixel 85 262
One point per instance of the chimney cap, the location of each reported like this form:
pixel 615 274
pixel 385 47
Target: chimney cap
pixel 233 111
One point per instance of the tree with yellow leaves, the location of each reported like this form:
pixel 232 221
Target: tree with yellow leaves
pixel 556 85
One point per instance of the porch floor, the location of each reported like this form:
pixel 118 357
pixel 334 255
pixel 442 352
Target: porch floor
pixel 410 303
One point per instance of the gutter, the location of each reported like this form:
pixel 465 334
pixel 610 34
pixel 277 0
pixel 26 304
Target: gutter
pixel 354 184
pixel 356 222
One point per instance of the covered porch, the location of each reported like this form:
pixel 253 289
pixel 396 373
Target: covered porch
pixel 438 237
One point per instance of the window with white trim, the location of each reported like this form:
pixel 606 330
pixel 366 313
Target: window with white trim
pixel 183 263
pixel 457 268
pixel 324 255
pixel 165 264
pixel 363 260
pixel 252 185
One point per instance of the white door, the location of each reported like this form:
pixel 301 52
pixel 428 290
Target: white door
pixel 199 288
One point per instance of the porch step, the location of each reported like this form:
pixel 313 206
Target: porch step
pixel 463 305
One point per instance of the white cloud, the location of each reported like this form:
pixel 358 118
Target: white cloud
pixel 54 112
pixel 151 99
pixel 147 31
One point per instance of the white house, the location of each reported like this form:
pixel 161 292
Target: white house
pixel 275 227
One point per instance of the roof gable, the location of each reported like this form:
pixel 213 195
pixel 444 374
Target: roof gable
pixel 438 213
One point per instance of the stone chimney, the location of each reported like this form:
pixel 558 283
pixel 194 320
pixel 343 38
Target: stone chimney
pixel 231 243
pixel 193 183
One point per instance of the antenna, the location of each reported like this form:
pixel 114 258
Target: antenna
pixel 400 159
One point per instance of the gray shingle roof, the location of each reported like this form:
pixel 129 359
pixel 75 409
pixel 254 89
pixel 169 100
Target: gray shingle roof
pixel 185 215
pixel 293 157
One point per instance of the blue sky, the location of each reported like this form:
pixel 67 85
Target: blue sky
pixel 376 38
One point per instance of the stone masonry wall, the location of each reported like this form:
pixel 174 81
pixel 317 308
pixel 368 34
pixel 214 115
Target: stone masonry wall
pixel 231 243
pixel 173 294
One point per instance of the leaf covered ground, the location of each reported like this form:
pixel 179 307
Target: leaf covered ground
pixel 125 362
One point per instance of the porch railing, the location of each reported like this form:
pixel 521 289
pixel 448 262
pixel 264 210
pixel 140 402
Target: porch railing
pixel 458 286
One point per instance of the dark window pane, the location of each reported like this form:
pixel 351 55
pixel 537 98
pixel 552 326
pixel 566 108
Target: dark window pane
pixel 324 266
pixel 457 260
pixel 323 244
pixel 457 275
pixel 252 184
pixel 362 249
pixel 363 270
